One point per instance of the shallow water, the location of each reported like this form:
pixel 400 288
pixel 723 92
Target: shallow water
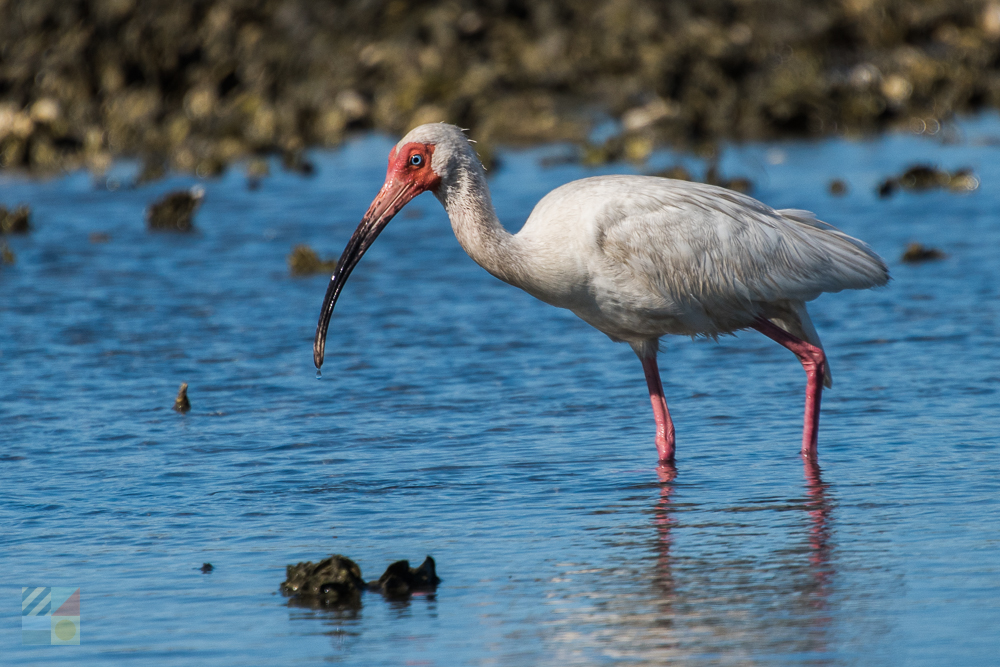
pixel 459 417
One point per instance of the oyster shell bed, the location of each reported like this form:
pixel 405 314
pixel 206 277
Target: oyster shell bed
pixel 194 86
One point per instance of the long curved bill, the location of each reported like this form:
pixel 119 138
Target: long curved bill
pixel 393 196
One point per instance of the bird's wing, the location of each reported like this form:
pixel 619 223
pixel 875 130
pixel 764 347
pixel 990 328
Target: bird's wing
pixel 702 245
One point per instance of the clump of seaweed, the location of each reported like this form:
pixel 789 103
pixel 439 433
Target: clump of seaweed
pixel 711 177
pixel 181 403
pixel 175 211
pixel 336 582
pixel 837 187
pixel 916 253
pixel 923 177
pixel 15 221
pixel 401 580
pixel 333 582
pixel 304 261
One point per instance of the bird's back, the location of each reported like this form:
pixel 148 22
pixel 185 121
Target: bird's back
pixel 649 255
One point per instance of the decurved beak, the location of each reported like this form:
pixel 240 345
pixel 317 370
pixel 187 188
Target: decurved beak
pixel 393 196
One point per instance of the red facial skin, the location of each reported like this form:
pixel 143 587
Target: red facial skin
pixel 401 169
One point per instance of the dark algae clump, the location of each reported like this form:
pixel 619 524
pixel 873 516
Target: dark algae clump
pixel 304 261
pixel 916 253
pixel 922 177
pixel 181 403
pixel 175 211
pixel 15 221
pixel 337 583
pixel 401 580
pixel 334 582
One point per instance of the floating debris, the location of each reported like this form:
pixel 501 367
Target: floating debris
pixel 334 582
pixel 837 187
pixel 257 169
pixel 304 261
pixel 739 184
pixel 99 237
pixel 295 161
pixel 7 255
pixel 922 177
pixel 712 177
pixel 206 568
pixel 401 580
pixel 181 403
pixel 677 172
pixel 16 221
pixel 337 582
pixel 916 253
pixel 175 211
pixel 154 168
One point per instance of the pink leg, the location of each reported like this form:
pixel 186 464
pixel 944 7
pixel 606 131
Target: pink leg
pixel 664 426
pixel 814 362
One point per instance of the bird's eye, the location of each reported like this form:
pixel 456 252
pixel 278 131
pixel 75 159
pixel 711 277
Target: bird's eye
pixel 416 160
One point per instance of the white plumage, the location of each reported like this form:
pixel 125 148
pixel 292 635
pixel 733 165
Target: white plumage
pixel 637 257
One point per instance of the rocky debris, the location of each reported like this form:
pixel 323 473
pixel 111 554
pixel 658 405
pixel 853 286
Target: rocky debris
pixel 204 83
pixel 334 582
pixel 181 403
pixel 916 253
pixel 15 221
pixel 337 582
pixel 175 211
pixel 304 261
pixel 922 177
pixel 7 255
pixel 739 184
pixel 257 169
pixel 711 177
pixel 206 568
pixel 401 580
pixel 837 187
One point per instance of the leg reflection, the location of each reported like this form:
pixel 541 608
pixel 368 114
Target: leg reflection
pixel 818 506
pixel 666 472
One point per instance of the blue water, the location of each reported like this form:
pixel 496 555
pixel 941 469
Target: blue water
pixel 458 417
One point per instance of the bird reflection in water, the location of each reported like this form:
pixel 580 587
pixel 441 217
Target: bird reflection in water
pixel 805 586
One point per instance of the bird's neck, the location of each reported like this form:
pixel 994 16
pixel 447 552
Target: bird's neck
pixel 476 226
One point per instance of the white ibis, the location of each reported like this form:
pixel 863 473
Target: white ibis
pixel 636 257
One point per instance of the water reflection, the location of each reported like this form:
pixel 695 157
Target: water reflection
pixel 775 601
pixel 752 580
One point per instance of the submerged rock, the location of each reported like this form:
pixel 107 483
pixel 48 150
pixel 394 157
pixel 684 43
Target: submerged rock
pixel 15 221
pixel 7 255
pixel 336 582
pixel 175 211
pixel 916 253
pixel 333 582
pixel 401 580
pixel 181 403
pixel 304 261
pixel 837 187
pixel 923 177
pixel 206 568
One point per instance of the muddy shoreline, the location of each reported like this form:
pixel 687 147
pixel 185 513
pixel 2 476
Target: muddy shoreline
pixel 195 86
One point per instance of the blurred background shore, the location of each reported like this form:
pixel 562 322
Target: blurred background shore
pixel 193 86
